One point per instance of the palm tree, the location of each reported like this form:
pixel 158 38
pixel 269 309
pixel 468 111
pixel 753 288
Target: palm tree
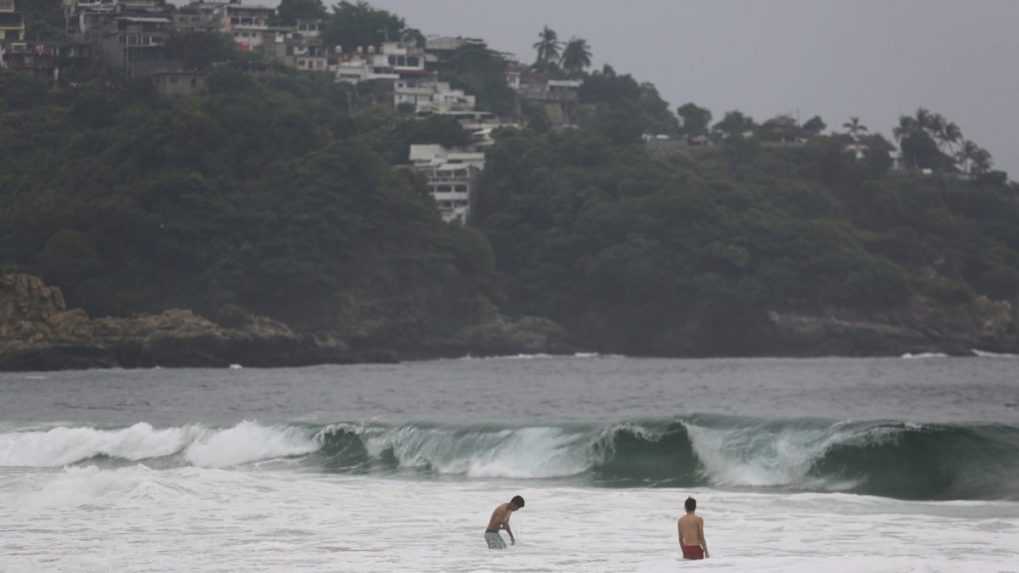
pixel 413 37
pixel 548 47
pixel 854 127
pixel 973 159
pixel 907 125
pixel 576 56
pixel 951 135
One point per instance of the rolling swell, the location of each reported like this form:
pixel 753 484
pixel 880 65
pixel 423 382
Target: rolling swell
pixel 878 458
pixel 928 462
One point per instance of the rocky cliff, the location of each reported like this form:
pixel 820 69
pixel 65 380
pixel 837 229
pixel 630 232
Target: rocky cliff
pixel 38 332
pixel 920 327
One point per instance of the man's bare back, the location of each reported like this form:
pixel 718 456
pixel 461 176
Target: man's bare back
pixel 500 517
pixel 691 529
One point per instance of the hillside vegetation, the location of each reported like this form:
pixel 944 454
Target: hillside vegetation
pixel 280 194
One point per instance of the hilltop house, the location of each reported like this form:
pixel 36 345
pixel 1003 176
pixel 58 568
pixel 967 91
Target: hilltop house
pixel 249 25
pixel 431 97
pixel 558 99
pixel 129 36
pixel 180 83
pixel 137 44
pixel 201 17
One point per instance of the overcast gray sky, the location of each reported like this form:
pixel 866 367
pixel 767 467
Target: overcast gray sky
pixel 873 58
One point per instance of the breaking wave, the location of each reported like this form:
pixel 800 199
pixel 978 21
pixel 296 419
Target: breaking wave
pixel 895 459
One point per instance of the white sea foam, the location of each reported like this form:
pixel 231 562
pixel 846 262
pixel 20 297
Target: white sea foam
pixel 923 355
pixel 754 456
pixel 986 354
pixel 249 442
pixel 195 519
pixel 244 443
pixel 761 456
pixel 512 453
pixel 62 446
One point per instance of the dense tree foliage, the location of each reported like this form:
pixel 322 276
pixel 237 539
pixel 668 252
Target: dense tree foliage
pixel 696 120
pixel 623 109
pixel 290 11
pixel 268 197
pixel 200 50
pixel 44 19
pixel 281 193
pixel 632 251
pixel 576 56
pixel 481 72
pixel 358 24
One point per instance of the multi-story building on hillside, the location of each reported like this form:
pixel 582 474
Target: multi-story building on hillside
pixel 451 177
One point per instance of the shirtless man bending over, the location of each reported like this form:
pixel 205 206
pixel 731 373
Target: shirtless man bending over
pixel 500 520
pixel 691 533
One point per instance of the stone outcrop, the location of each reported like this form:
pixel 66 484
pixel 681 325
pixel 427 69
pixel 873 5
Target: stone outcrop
pixel 527 335
pixel 920 327
pixel 38 332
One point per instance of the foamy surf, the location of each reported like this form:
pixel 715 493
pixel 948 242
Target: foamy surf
pixel 897 459
pixel 923 355
pixel 986 354
pixel 244 443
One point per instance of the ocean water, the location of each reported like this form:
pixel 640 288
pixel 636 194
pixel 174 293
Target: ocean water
pixel 798 465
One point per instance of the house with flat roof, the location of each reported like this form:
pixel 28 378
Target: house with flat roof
pixel 428 96
pixel 249 24
pixel 180 83
pixel 451 176
pixel 200 17
pixel 136 45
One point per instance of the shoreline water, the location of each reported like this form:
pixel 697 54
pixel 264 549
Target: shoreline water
pixel 372 468
pixel 40 361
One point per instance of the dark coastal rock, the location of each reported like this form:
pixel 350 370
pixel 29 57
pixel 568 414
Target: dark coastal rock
pixel 920 327
pixel 37 332
pixel 527 335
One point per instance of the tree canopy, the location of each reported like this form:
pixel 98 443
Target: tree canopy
pixel 358 24
pixel 576 56
pixel 290 11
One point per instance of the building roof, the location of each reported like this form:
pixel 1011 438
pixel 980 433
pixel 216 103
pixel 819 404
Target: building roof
pixel 144 19
pixel 565 83
pixel 248 8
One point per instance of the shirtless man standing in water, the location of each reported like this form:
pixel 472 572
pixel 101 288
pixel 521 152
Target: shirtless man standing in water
pixel 691 533
pixel 500 520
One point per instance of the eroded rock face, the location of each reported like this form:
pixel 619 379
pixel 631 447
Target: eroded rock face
pixel 37 332
pixel 921 326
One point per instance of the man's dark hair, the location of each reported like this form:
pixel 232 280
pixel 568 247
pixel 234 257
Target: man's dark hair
pixel 517 502
pixel 691 504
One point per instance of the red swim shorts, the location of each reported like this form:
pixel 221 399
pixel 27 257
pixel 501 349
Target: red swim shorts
pixel 693 552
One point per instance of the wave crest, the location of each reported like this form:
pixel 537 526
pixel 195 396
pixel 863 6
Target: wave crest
pixel 882 458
